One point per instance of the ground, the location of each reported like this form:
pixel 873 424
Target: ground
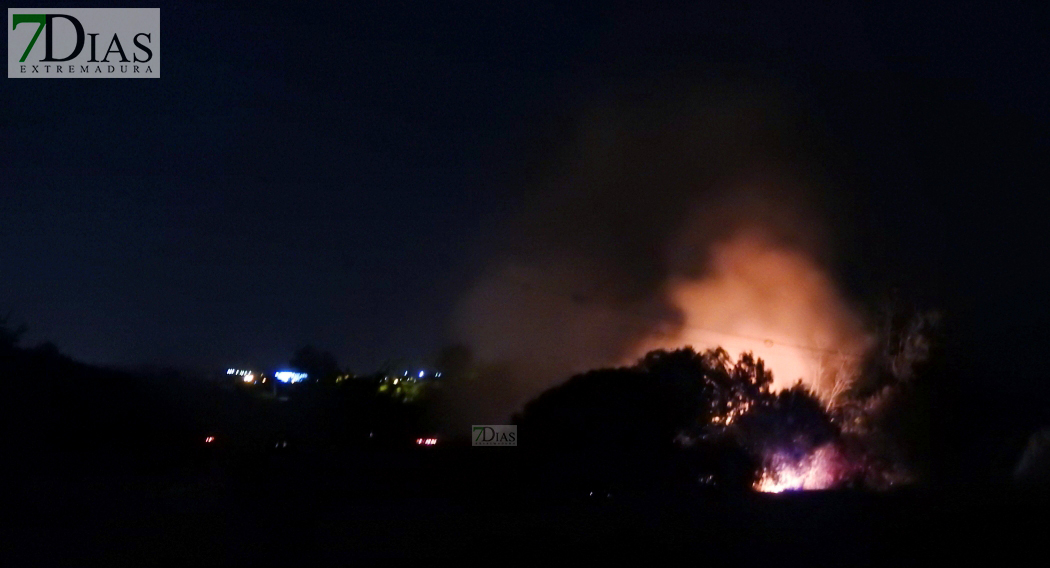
pixel 408 505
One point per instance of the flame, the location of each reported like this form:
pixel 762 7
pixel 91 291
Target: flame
pixel 819 470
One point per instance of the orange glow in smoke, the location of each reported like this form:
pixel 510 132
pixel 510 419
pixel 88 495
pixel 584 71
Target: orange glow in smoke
pixel 772 301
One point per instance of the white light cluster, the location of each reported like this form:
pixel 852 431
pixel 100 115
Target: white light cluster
pixel 289 376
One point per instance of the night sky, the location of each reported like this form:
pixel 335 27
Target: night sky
pixel 329 173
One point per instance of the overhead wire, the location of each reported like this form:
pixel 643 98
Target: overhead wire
pixel 575 297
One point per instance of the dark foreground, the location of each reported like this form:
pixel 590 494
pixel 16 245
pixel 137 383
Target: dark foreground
pixel 409 505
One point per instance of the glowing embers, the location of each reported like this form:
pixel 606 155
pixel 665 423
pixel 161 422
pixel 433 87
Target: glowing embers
pixel 735 410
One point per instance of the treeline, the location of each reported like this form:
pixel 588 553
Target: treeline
pixel 55 406
pixel 674 418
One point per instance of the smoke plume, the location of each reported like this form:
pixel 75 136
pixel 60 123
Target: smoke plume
pixel 690 220
pixel 773 301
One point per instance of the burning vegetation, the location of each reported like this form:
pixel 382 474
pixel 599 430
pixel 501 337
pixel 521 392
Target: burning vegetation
pixel 807 416
pixel 685 233
pixel 723 415
pixel 812 401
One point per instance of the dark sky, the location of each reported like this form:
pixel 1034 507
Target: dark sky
pixel 328 173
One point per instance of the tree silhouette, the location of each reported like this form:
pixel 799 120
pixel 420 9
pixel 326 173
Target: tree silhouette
pixel 715 415
pixel 792 422
pixel 10 336
pixel 613 409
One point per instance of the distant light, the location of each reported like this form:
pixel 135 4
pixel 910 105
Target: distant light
pixel 426 441
pixel 289 376
pixel 406 373
pixel 230 371
pixel 209 439
pixel 421 374
pixel 437 375
pixel 396 380
pixel 249 378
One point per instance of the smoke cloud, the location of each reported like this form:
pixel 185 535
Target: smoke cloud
pixel 691 220
pixel 773 301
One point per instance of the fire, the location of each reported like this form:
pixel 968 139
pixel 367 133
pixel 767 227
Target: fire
pixel 818 470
